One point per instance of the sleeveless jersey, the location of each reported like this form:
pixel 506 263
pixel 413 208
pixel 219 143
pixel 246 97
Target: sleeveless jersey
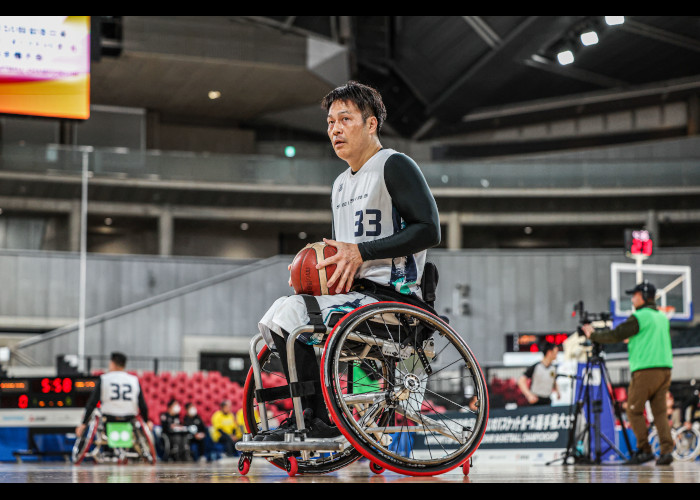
pixel 363 211
pixel 120 394
pixel 651 347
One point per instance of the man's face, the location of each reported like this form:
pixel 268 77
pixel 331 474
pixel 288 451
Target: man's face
pixel 348 131
pixel 637 300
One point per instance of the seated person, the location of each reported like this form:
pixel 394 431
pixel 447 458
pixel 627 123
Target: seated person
pixel 384 220
pixel 176 432
pixel 197 431
pixel 224 428
pixel 119 394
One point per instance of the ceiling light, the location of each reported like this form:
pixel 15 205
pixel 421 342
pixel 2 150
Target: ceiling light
pixel 214 94
pixel 614 20
pixel 565 57
pixel 108 221
pixel 589 38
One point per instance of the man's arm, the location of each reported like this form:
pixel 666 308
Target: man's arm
pixel 92 401
pixel 523 381
pixel 143 409
pixel 623 331
pixel 415 204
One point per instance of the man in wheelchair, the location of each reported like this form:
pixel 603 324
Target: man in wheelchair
pixel 384 220
pixel 122 411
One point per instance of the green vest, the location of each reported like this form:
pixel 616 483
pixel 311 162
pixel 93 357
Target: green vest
pixel 651 347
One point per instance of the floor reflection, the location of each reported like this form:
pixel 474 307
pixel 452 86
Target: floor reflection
pixel 262 472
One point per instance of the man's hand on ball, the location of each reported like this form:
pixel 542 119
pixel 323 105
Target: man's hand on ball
pixel 347 260
pixel 289 268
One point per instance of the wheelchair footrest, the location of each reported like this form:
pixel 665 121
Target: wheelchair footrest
pixel 321 445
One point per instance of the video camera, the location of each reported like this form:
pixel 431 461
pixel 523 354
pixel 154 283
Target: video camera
pixel 584 318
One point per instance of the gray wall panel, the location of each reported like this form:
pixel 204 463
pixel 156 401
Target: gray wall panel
pixel 511 291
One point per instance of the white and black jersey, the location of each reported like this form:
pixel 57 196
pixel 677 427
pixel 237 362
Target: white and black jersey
pixel 542 379
pixel 387 209
pixel 119 394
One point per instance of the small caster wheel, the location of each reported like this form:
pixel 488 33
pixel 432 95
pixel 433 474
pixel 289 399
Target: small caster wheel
pixel 291 465
pixel 244 465
pixel 466 466
pixel 377 469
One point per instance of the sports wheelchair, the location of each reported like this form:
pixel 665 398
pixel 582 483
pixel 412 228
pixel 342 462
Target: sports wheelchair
pixel 114 439
pixel 402 387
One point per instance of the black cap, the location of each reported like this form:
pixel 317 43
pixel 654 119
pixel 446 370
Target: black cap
pixel 648 290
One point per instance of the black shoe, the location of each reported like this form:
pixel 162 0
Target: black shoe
pixel 287 425
pixel 320 429
pixel 664 459
pixel 640 457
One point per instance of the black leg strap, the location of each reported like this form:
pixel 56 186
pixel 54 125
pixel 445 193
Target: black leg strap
pixel 314 311
pixel 272 394
pixel 296 389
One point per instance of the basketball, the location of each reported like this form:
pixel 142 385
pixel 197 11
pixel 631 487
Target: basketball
pixel 305 277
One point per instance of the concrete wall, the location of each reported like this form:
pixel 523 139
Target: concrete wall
pixel 510 291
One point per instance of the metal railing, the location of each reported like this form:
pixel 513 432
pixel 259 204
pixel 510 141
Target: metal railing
pixel 491 174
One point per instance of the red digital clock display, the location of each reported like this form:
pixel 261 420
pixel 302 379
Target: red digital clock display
pixel 56 385
pixel 638 242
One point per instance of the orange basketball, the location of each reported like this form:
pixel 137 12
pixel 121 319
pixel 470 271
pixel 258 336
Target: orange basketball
pixel 305 277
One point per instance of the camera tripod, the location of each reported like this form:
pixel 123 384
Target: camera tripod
pixel 591 430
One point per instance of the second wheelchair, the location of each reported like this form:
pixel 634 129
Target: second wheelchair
pixel 115 440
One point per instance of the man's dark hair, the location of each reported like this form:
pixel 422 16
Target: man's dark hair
pixel 367 100
pixel 547 346
pixel 118 359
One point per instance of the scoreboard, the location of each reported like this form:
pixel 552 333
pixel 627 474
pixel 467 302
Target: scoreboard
pixel 44 401
pixel 533 342
pixel 46 392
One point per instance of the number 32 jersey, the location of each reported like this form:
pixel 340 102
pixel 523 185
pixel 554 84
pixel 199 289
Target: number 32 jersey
pixel 366 209
pixel 119 394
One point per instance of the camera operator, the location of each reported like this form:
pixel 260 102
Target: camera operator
pixel 650 360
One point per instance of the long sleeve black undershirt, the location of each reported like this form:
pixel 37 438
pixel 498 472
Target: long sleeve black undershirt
pixel 415 204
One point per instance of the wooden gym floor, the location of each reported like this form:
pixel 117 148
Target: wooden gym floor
pixel 226 471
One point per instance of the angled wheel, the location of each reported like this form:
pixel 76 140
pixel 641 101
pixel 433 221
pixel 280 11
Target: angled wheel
pixel 466 467
pixel 421 406
pixel 86 443
pixel 144 442
pixel 291 465
pixel 686 444
pixel 377 469
pixel 244 465
pixel 273 376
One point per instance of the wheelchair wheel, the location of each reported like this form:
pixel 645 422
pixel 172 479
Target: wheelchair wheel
pixel 419 404
pixel 86 442
pixel 144 442
pixel 318 464
pixel 686 444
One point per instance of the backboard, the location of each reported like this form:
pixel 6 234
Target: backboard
pixel 673 289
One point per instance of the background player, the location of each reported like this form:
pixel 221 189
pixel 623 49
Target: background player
pixel 384 220
pixel 119 394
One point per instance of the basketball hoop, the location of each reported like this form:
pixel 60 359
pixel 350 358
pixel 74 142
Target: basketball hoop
pixel 669 311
